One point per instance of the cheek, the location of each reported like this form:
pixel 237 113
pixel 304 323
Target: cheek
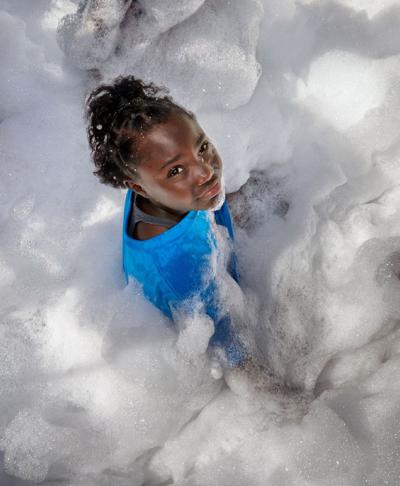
pixel 177 191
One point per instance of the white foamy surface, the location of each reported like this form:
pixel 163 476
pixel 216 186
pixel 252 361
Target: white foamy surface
pixel 94 388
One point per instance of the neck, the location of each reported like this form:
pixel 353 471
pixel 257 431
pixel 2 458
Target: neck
pixel 156 209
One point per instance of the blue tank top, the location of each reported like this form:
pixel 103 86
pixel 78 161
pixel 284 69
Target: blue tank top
pixel 181 264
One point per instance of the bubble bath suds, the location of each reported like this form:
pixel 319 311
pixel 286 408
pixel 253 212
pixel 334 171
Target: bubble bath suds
pixel 302 100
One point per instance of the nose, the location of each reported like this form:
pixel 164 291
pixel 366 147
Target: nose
pixel 204 172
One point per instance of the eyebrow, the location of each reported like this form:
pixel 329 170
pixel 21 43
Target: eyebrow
pixel 178 156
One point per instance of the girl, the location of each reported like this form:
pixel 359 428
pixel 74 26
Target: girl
pixel 177 230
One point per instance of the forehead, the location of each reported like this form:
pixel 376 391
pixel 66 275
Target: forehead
pixel 170 138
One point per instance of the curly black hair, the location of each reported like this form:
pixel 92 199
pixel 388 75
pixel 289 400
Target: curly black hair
pixel 118 114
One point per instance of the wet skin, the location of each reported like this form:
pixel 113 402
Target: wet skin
pixel 180 171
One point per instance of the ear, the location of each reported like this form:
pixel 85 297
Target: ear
pixel 136 187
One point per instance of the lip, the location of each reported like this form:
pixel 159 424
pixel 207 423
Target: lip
pixel 213 191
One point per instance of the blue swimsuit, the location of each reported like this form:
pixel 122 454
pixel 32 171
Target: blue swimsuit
pixel 181 264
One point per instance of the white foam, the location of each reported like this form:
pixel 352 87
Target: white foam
pixel 343 87
pixel 371 7
pixel 167 14
pixel 95 387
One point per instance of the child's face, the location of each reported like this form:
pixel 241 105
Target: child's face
pixel 180 168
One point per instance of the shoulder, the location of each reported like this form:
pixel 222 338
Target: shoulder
pixel 145 231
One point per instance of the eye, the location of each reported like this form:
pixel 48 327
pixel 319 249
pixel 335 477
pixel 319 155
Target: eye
pixel 175 171
pixel 204 147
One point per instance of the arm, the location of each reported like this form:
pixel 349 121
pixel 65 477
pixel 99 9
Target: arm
pixel 216 296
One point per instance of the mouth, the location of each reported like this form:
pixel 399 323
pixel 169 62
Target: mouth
pixel 212 191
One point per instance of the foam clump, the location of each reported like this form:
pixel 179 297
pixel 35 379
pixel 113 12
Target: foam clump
pixel 89 35
pixel 155 390
pixel 371 7
pixel 228 72
pixel 343 87
pixel 167 14
pixel 162 42
pixel 257 447
pixel 31 445
pixel 16 65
